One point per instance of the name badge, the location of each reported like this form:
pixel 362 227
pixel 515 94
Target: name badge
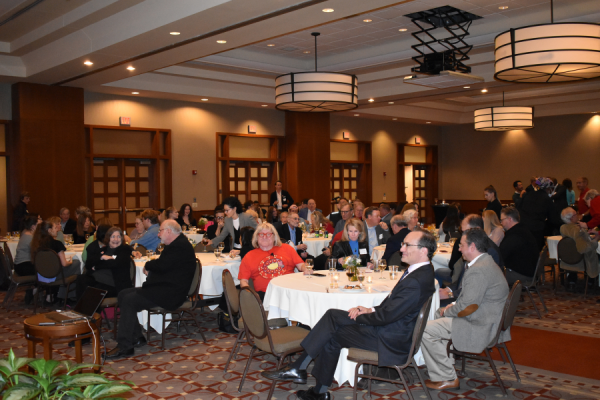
pixel 362 251
pixel 381 236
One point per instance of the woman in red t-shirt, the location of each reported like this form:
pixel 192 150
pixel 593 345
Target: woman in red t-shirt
pixel 268 260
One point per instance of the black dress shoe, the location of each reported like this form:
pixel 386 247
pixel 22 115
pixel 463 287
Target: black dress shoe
pixel 286 374
pixel 310 394
pixel 118 353
pixel 140 342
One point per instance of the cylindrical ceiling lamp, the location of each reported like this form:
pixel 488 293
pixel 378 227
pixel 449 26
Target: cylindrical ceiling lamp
pixel 504 118
pixel 316 91
pixel 548 53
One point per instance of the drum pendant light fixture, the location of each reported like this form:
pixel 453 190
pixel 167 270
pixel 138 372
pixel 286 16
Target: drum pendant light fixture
pixel 503 118
pixel 548 53
pixel 316 91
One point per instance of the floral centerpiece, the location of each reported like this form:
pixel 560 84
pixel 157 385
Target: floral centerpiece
pixel 351 264
pixel 201 224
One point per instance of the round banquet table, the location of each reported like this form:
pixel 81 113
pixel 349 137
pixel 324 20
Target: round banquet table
pixel 315 245
pixel 298 298
pixel 211 284
pixel 196 237
pixel 441 258
pixel 553 246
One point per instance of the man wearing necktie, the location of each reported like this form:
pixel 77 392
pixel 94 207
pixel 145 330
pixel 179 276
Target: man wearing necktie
pixel 386 328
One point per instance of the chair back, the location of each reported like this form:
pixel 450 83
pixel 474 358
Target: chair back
pixel 141 249
pixel 508 313
pixel 47 263
pixel 232 296
pixel 132 271
pixel 253 313
pixel 567 251
pixel 9 257
pixel 6 270
pixel 419 329
pixel 195 286
pixel 539 268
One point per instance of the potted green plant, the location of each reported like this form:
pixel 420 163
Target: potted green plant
pixel 54 380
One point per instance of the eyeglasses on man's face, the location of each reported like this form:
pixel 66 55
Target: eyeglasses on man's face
pixel 409 244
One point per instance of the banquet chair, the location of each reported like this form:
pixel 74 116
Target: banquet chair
pixel 549 266
pixel 371 358
pixel 9 256
pixel 279 342
pixel 232 298
pixel 532 285
pixel 177 315
pixel 47 264
pixel 141 249
pixel 508 315
pixel 569 259
pixel 109 302
pixel 16 280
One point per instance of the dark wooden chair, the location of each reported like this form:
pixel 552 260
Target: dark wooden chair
pixel 16 280
pixel 532 285
pixel 109 302
pixel 48 265
pixel 568 254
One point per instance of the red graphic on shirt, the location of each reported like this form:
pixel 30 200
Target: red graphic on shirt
pixel 271 266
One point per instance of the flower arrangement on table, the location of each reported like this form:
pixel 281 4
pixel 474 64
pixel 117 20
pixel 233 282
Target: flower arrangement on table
pixel 201 224
pixel 351 264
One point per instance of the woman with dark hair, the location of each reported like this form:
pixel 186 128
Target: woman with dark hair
pixel 246 235
pixel 451 223
pixel 272 215
pixel 215 229
pixel 492 197
pixel 84 228
pixel 235 219
pixel 568 184
pixel 353 242
pixel 186 219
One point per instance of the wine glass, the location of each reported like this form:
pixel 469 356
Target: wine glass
pixel 205 243
pixel 382 267
pixel 309 267
pixel 218 254
pixel 361 276
pixel 221 246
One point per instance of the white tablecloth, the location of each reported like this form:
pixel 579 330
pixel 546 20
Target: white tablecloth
pixel 441 258
pixel 211 284
pixel 316 245
pixel 306 300
pixel 553 246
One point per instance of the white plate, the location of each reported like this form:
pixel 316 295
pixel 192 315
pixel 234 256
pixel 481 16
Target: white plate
pixel 229 260
pixel 351 290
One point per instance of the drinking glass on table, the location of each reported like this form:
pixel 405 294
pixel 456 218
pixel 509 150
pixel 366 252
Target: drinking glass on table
pixel 309 267
pixel 361 276
pixel 221 246
pixel 218 254
pixel 382 267
pixel 332 265
pixel 205 243
pixel 149 254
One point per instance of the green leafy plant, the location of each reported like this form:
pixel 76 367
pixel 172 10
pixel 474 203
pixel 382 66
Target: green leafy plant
pixel 54 380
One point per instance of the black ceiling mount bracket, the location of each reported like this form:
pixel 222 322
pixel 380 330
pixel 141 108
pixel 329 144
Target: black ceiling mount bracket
pixel 447 53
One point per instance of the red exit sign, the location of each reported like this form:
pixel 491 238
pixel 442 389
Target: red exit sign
pixel 125 121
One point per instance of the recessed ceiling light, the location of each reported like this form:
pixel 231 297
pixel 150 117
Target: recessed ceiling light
pixel 204 99
pixel 270 45
pixel 403 30
pixel 390 102
pixel 135 92
pixel 130 68
pixel 221 41
pixel 88 62
pixel 306 52
pixel 466 87
pixel 483 90
pixel 328 10
pixel 367 20
pixel 503 7
pixel 265 105
pixel 356 115
pixel 394 119
pixel 427 122
pixel 371 100
pixel 175 33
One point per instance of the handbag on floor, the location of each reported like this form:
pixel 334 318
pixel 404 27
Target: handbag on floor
pixel 224 322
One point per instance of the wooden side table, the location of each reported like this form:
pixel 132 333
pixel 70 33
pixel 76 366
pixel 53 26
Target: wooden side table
pixel 50 334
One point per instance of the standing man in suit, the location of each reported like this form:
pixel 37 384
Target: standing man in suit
pixel 67 224
pixel 291 233
pixel 400 228
pixel 167 286
pixel 472 322
pixel 306 213
pixel 518 248
pixel 280 198
pixel 517 196
pixel 376 234
pixel 386 329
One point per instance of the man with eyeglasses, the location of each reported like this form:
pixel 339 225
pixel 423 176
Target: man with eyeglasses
pixel 167 286
pixel 290 233
pixel 346 212
pixel 386 328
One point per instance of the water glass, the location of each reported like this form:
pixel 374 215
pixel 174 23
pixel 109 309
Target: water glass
pixel 361 276
pixel 394 272
pixel 382 267
pixel 218 254
pixel 221 246
pixel 332 265
pixel 309 267
pixel 149 254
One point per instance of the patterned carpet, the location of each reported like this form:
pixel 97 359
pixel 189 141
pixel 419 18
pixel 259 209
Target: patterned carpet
pixel 190 369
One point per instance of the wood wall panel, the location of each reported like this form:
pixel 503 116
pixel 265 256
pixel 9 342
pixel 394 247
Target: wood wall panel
pixel 474 206
pixel 307 157
pixel 47 147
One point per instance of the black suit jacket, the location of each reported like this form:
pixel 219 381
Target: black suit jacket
pixel 394 319
pixel 342 249
pixel 286 199
pixel 70 227
pixel 284 235
pixel 170 275
pixel 519 250
pixel 393 244
pixel 119 266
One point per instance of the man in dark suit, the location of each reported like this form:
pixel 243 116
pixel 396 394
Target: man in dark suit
pixel 386 213
pixel 291 233
pixel 376 233
pixel 400 229
pixel 336 216
pixel 386 328
pixel 68 225
pixel 167 286
pixel 519 248
pixel 311 207
pixel 559 203
pixel 281 198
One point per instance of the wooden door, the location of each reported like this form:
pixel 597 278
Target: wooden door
pixel 137 181
pixel 420 176
pixel 344 180
pixel 260 176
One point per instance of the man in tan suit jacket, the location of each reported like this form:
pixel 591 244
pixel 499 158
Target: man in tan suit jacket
pixel 585 244
pixel 472 321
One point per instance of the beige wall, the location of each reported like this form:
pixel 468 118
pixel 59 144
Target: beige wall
pixel 563 147
pixel 193 127
pixel 384 137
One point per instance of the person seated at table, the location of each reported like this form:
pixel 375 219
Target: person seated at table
pixel 318 220
pixel 353 242
pixel 171 213
pixel 294 208
pixel 235 219
pixel 282 219
pixel 491 196
pixel 450 224
pixel 186 219
pixel 83 230
pixel 108 266
pixel 167 286
pixel 493 227
pixel 56 221
pixel 215 229
pixel 150 240
pixel 410 206
pixel 346 212
pixel 92 238
pixel 519 248
pixel 246 235
pixel 67 224
pixel 377 233
pixel 45 238
pixel 254 215
pixel 268 260
pixel 292 235
pixel 358 209
pixel 400 229
pixel 139 229
pixel 22 261
pixel 586 245
pixel 272 215
pixel 85 210
pixel 386 328
pixel 412 217
pixel 592 200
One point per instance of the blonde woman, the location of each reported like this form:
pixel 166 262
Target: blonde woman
pixel 492 226
pixel 317 220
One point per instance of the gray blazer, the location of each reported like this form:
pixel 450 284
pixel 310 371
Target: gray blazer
pixel 483 284
pixel 245 220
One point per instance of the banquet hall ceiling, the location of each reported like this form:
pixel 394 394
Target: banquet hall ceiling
pixel 48 41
